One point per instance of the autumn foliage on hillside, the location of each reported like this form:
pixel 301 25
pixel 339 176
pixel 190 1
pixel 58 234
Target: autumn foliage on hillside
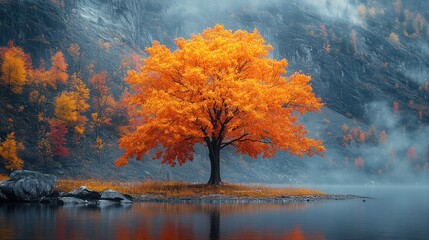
pixel 9 149
pixel 57 104
pixel 56 138
pixel 13 72
pixel 218 88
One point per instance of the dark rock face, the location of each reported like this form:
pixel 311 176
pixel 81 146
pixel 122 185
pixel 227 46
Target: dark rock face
pixel 84 193
pixel 26 185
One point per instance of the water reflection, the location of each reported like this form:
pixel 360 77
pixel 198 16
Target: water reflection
pixel 395 213
pixel 143 221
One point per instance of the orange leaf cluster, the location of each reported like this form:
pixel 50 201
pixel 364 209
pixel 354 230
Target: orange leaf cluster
pixel 355 135
pixel 13 71
pixel 359 162
pixel 218 87
pixel 9 152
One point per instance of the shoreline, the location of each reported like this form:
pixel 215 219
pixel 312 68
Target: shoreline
pixel 219 198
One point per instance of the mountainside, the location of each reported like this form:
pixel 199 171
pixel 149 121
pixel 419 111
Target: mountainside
pixel 368 61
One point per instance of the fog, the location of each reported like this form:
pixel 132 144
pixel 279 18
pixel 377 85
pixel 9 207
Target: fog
pixel 382 162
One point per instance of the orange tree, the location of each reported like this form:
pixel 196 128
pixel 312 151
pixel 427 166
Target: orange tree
pixel 220 89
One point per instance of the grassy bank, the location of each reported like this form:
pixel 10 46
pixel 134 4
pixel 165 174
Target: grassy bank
pixel 182 189
pixel 3 177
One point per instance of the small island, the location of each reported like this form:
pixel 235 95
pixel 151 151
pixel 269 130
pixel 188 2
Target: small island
pixel 30 186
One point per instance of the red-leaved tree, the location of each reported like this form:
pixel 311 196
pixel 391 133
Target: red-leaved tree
pixel 57 138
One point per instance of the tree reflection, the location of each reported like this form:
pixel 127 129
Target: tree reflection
pixel 149 221
pixel 214 224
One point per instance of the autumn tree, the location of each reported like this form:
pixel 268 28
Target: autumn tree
pixel 219 89
pixel 13 72
pixel 9 149
pixel 58 70
pixel 57 138
pixel 103 102
pixel 66 108
pixel 74 51
pixel 359 162
pixel 80 94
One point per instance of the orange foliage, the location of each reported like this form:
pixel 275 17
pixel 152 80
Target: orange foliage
pixel 355 135
pixel 362 10
pixel 347 139
pixel 135 61
pixel 74 51
pixel 80 94
pixel 394 39
pixel 344 128
pixel 3 177
pixel 182 189
pixel 395 106
pixel 218 88
pixel 359 162
pixel 9 149
pixel 103 44
pixel 58 70
pixel 13 71
pixel 103 102
pixel 66 108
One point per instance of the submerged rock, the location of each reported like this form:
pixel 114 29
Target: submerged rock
pixel 84 193
pixel 25 185
pixel 71 200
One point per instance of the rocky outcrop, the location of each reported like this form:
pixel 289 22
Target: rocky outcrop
pixel 84 195
pixel 28 186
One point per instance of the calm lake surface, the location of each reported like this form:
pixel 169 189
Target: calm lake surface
pixel 395 213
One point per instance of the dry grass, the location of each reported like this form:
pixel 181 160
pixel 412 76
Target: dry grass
pixel 3 177
pixel 182 189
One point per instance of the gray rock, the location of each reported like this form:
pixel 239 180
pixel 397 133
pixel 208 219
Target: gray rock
pixel 105 203
pixel 84 193
pixel 71 200
pixel 3 197
pixel 112 195
pixel 25 185
pixel 126 201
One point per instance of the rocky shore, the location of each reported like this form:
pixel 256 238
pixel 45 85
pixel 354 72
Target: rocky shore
pixel 30 186
pixel 220 198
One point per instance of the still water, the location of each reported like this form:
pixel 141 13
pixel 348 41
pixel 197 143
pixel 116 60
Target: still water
pixel 395 213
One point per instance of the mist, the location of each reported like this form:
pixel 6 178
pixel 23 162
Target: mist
pixel 357 70
pixel 383 163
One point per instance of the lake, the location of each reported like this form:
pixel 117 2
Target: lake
pixel 395 213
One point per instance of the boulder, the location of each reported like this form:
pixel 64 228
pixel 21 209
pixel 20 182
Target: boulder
pixel 28 186
pixel 84 193
pixel 112 195
pixel 71 200
pixel 106 203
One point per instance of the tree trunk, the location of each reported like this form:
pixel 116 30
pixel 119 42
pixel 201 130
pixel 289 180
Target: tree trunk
pixel 214 155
